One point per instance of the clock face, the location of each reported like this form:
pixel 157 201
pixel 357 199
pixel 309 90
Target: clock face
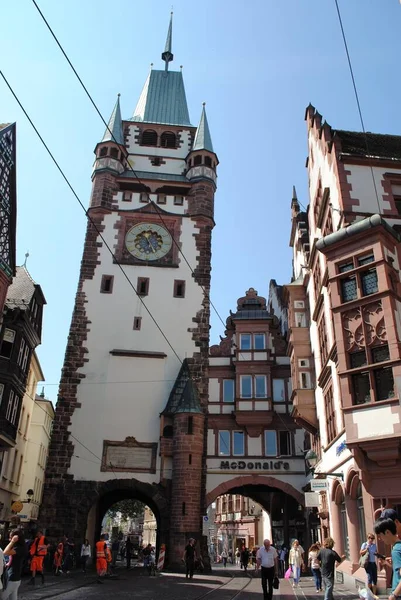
pixel 148 241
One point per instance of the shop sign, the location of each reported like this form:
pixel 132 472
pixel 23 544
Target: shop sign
pixel 318 485
pixel 241 465
pixel 311 499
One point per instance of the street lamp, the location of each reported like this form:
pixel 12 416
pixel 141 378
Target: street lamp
pixel 311 459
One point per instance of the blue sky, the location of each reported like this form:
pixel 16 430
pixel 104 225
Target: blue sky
pixel 257 64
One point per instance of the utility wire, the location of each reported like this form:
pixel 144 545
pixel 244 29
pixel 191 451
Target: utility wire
pixel 357 100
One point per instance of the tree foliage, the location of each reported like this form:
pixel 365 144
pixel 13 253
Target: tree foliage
pixel 129 509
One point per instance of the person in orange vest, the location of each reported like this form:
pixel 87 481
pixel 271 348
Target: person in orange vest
pixel 58 557
pixel 38 552
pixel 101 558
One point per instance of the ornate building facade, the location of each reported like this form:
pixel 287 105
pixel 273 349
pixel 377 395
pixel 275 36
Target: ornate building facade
pixel 8 208
pixel 344 327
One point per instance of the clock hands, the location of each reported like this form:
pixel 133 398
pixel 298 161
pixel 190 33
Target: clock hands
pixel 147 235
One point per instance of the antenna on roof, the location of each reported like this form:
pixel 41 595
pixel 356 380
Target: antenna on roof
pixel 26 258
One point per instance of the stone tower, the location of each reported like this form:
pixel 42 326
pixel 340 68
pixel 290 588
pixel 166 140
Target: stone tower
pixel 140 325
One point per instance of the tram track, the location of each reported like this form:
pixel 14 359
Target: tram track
pixel 224 587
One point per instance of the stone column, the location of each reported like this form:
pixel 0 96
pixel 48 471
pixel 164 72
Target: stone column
pixel 353 531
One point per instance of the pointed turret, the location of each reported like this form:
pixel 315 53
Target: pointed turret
pixel 202 160
pixel 111 153
pixel 294 202
pixel 203 139
pixel 114 129
pixel 167 55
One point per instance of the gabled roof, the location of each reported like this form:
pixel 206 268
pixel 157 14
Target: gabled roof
pixel 114 130
pixel 379 144
pixel 184 395
pixel 22 289
pixel 163 100
pixel 203 139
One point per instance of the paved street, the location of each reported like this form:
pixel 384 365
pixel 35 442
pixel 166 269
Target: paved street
pixel 221 585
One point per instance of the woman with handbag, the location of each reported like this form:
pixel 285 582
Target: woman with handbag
pixel 315 566
pixel 367 560
pixel 296 562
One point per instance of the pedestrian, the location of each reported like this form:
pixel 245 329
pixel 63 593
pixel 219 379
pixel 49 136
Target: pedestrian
pixel 391 513
pixel 386 530
pixel 86 553
pixel 368 551
pixel 58 558
pixel 101 558
pixel 189 558
pixel 115 547
pixel 224 557
pixel 282 560
pixel 146 552
pixel 267 561
pixel 244 558
pixel 17 552
pixel 328 559
pixel 230 557
pixel 237 557
pixel 38 551
pixel 67 557
pixel 314 565
pixel 296 562
pixel 128 552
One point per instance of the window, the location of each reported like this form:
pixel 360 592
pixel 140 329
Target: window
pixel 25 359
pixel 246 386
pixel 142 286
pixel 303 362
pixel 21 352
pixel 13 418
pixel 278 390
pixel 197 160
pixel 305 381
pixel 348 289
pixel 127 196
pixel 161 198
pixel 384 383
pixel 179 289
pixel 270 443
pixel 365 260
pixel 137 323
pixel 7 343
pixel 238 443
pixel 228 390
pixel 156 161
pixel 380 353
pixel 106 284
pixel 346 267
pixel 149 138
pixel 20 469
pixel 143 197
pixel 344 528
pixel 168 140
pixel 168 431
pixel 331 427
pixel 245 341
pixel 260 386
pixel 103 151
pixel 361 388
pixel 208 161
pixel 190 428
pixel 178 200
pixel 369 282
pixel 397 202
pixel 10 405
pixel 114 153
pixel 259 341
pixel 361 514
pixel 285 443
pixel 14 468
pixel 357 359
pixel 1 392
pixel 300 319
pixel 224 443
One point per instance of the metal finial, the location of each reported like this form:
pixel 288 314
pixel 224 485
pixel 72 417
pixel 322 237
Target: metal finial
pixel 203 104
pixel 181 67
pixel 118 95
pixel 151 66
pixel 42 393
pixel 26 258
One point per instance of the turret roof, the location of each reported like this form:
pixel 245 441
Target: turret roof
pixel 203 139
pixel 114 130
pixel 184 395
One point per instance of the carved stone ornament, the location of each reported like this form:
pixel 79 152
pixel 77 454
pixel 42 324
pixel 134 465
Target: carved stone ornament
pixel 129 456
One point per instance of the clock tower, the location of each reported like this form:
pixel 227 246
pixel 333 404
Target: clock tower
pixel 130 417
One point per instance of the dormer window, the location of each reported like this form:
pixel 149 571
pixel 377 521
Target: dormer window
pixel 149 138
pixel 103 151
pixel 197 160
pixel 208 161
pixel 168 140
pixel 114 153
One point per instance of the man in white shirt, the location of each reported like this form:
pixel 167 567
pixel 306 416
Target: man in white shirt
pixel 267 560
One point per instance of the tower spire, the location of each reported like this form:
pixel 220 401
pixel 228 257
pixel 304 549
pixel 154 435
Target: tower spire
pixel 114 130
pixel 167 55
pixel 203 139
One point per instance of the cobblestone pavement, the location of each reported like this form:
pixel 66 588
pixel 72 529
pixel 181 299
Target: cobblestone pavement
pixel 136 583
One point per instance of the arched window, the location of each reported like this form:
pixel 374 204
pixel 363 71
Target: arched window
pixel 149 138
pixel 343 523
pixel 208 161
pixel 197 160
pixel 103 151
pixel 168 140
pixel 361 514
pixel 114 153
pixel 168 431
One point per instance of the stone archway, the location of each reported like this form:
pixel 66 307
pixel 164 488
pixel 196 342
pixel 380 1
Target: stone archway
pixel 246 480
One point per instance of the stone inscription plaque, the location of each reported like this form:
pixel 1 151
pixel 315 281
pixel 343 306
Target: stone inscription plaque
pixel 129 456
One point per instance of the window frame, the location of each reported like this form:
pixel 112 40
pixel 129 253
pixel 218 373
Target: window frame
pixel 273 432
pixel 241 337
pixel 283 380
pixel 242 378
pixel 139 283
pixel 263 378
pixel 234 433
pixel 263 336
pixel 232 382
pixel 289 443
pixel 228 446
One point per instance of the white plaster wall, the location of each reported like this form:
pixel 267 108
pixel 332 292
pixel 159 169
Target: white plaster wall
pixel 174 166
pixel 181 152
pixel 135 203
pixel 214 478
pixel 378 421
pixel 214 390
pixel 363 188
pixel 219 361
pixel 255 446
pixel 123 396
